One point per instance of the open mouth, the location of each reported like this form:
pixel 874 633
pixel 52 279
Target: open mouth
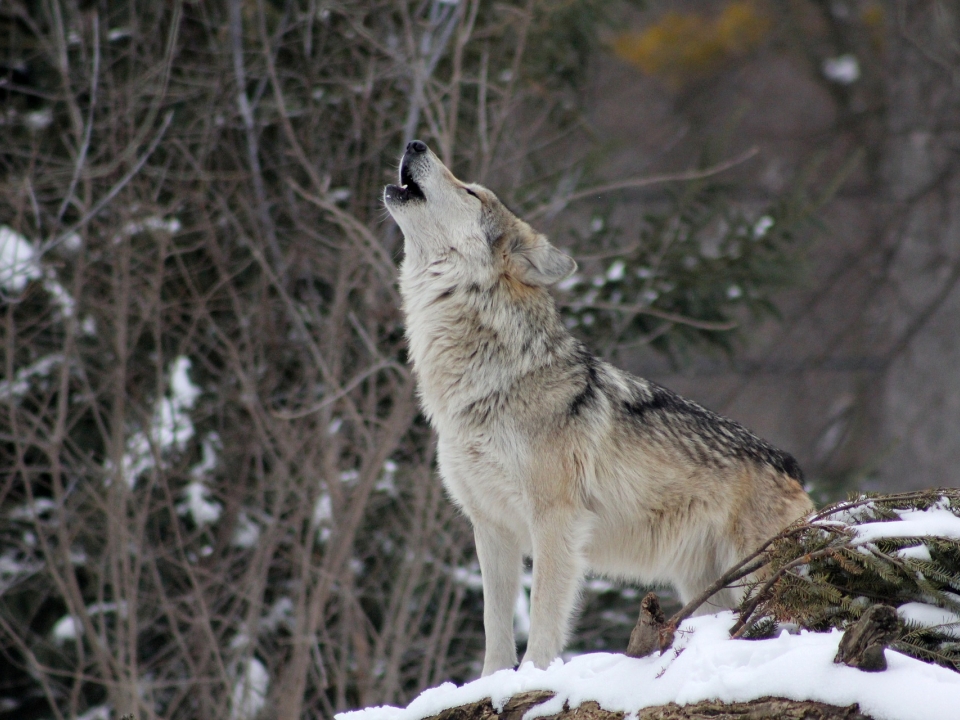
pixel 408 189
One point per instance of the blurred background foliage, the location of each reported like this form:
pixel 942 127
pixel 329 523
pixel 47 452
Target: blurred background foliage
pixel 686 278
pixel 680 45
pixel 217 496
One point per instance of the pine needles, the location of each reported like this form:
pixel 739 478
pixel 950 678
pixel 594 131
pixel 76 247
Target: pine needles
pixel 901 550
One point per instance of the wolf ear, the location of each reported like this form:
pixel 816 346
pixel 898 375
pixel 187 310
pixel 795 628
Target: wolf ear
pixel 540 263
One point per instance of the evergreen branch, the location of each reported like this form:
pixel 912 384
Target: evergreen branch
pixel 845 574
pixel 764 593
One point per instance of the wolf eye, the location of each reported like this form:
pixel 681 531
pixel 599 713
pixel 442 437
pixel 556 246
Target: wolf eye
pixel 471 192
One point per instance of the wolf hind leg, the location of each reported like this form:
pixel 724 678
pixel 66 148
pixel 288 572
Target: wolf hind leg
pixel 500 561
pixel 558 567
pixel 705 574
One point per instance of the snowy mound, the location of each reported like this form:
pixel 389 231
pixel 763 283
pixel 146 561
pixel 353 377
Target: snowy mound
pixel 705 664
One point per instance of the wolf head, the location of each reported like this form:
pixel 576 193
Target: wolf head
pixel 445 220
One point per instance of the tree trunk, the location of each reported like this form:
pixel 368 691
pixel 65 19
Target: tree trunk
pixel 760 709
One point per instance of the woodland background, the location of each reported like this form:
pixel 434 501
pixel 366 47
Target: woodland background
pixel 218 499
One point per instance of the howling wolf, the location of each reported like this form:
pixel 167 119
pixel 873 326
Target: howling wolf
pixel 551 452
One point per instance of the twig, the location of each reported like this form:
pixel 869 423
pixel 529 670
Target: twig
pixel 644 182
pixel 284 415
pixel 112 193
pixel 746 615
pixel 522 31
pixel 748 565
pixel 444 18
pixel 376 255
pixel 88 131
pixel 662 314
pixel 246 115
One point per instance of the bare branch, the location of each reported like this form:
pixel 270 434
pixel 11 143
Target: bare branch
pixel 657 313
pixel 555 206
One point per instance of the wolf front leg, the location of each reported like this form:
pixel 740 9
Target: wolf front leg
pixel 499 554
pixel 558 540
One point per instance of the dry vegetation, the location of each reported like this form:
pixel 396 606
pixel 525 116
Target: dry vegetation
pixel 217 496
pixel 213 471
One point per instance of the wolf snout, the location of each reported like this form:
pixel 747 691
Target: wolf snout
pixel 412 167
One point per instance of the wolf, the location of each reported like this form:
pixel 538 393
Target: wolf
pixel 551 452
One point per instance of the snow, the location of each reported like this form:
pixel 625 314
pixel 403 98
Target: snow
pixel 66 628
pixel 14 569
pixel 72 242
pixel 913 523
pixel 247 532
pixel 843 70
pixel 39 119
pixel 339 195
pixel 323 516
pixel 931 616
pixel 705 664
pixel 521 615
pixel 761 227
pixel 198 505
pixel 118 33
pixel 170 430
pixel 917 552
pixel 17 264
pixel 33 510
pixel 469 577
pixel 69 627
pixel 322 510
pixel 616 271
pixel 250 691
pixel 570 283
pixel 169 225
pixel 100 712
pixel 281 614
pixel 385 483
pixel 185 393
pixel 209 447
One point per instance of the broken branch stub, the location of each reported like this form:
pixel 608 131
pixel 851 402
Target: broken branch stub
pixel 863 643
pixel 651 631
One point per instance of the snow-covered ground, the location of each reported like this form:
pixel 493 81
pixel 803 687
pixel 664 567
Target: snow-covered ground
pixel 706 664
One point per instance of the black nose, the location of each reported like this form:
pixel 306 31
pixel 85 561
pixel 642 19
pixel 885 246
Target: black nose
pixel 415 146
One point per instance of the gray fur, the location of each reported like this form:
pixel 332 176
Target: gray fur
pixel 550 451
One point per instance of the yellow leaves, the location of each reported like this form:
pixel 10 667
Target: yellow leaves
pixel 875 21
pixel 681 46
pixel 740 28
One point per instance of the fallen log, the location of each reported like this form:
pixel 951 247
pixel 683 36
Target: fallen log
pixel 767 708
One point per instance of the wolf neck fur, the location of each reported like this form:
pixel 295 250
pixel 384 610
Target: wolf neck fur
pixel 468 346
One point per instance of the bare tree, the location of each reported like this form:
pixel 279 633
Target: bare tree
pixel 218 498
